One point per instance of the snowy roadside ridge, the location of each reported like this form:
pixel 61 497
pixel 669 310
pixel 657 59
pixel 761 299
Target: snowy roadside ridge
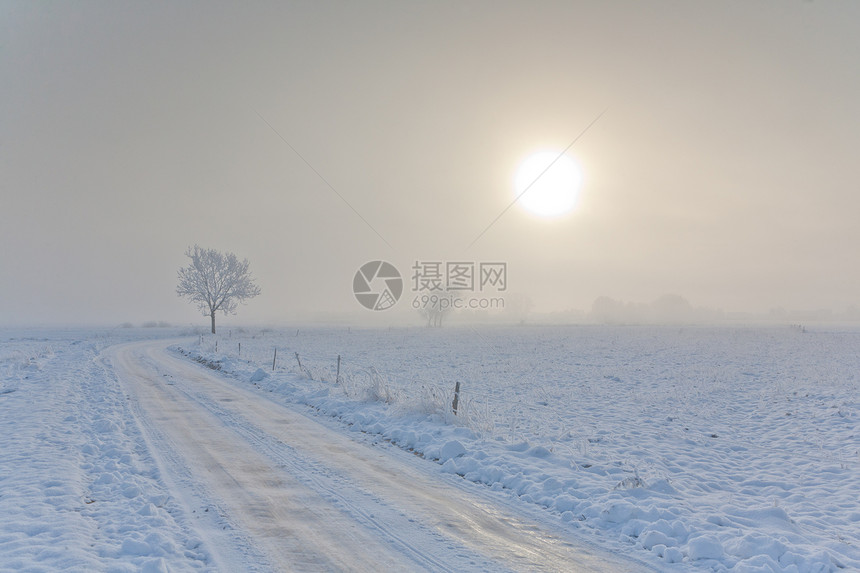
pixel 78 489
pixel 638 509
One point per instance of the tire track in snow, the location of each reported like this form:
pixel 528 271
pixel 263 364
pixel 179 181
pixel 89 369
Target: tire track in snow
pixel 280 524
pixel 218 532
pixel 367 509
pixel 283 477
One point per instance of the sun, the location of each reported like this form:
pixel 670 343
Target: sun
pixel 547 184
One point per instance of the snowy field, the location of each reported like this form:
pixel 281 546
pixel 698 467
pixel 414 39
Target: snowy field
pixel 78 489
pixel 691 448
pixel 714 448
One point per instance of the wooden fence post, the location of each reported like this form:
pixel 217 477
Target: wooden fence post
pixel 456 397
pixel 274 358
pixel 337 377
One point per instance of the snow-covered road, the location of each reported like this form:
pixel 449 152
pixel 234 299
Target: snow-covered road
pixel 277 490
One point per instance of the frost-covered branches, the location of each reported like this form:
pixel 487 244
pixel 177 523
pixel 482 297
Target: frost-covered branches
pixel 215 281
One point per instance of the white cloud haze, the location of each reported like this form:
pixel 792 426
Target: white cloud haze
pixel 724 169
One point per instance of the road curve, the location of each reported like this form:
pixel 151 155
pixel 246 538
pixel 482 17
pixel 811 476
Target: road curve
pixel 291 494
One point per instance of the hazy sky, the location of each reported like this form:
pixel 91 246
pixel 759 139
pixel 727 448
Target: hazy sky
pixel 725 168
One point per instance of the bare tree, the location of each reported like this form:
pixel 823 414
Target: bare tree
pixel 215 281
pixel 434 307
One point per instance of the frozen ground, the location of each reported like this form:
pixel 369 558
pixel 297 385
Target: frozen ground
pixel 715 448
pixel 79 490
pixel 685 448
pixel 127 457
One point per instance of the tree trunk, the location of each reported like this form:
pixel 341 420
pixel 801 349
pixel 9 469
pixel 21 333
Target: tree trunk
pixel 213 321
